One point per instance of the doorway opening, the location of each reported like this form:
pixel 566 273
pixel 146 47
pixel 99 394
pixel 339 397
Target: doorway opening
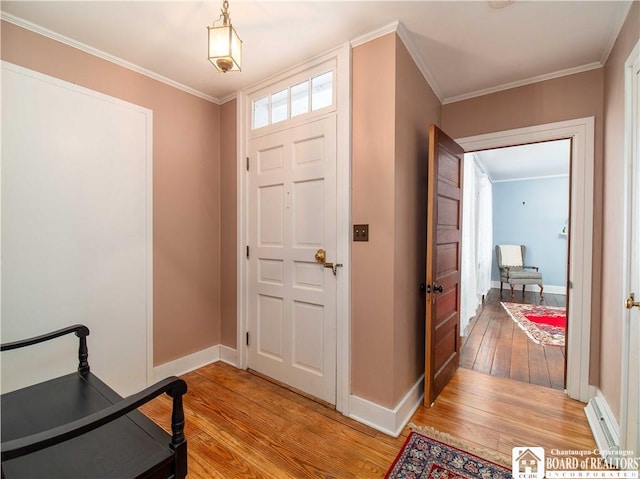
pixel 518 196
pixel 581 131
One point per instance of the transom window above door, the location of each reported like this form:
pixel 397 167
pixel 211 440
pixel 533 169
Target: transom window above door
pixel 303 97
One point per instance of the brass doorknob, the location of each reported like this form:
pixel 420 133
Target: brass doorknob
pixel 321 256
pixel 630 303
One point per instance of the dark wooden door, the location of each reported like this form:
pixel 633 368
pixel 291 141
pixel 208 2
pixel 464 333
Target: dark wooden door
pixel 444 240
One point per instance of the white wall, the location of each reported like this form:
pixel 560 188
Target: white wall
pixel 76 229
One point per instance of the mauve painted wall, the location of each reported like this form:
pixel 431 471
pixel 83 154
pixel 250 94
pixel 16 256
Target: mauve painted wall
pixel 228 224
pixel 391 116
pixel 416 108
pixel 614 177
pixel 573 96
pixel 532 213
pixel 372 202
pixel 186 184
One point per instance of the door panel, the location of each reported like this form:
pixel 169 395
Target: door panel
pixel 292 308
pixel 444 235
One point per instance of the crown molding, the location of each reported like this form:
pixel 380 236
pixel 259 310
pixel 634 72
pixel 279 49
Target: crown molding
pixel 377 33
pixel 531 178
pixel 404 34
pixel 227 98
pixel 526 81
pixel 611 41
pixel 103 55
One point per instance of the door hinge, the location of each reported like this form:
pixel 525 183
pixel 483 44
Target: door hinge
pixel 247 163
pixel 247 251
pixel 247 338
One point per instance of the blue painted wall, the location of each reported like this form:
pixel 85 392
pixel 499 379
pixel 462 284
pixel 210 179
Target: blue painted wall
pixel 532 213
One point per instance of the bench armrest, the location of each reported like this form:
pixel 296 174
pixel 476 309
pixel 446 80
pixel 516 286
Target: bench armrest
pixel 79 329
pixel 173 386
pixel 531 267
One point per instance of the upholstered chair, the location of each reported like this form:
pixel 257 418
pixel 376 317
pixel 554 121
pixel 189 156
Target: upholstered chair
pixel 514 271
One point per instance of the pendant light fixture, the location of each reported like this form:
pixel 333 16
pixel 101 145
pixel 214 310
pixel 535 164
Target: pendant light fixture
pixel 225 46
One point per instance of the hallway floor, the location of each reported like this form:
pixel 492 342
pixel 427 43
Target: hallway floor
pixel 495 344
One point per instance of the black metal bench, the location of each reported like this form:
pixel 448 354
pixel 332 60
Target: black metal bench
pixel 75 426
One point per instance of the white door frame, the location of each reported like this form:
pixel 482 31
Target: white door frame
pixel 342 56
pixel 631 207
pixel 581 131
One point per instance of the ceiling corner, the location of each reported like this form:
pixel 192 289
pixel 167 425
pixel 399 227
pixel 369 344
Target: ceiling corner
pixel 372 35
pixel 623 12
pixel 405 36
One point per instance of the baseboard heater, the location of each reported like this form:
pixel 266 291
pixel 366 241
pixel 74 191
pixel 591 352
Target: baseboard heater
pixel 604 428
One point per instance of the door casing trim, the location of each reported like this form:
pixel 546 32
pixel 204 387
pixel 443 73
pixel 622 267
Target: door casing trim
pixel 582 133
pixel 342 56
pixel 631 168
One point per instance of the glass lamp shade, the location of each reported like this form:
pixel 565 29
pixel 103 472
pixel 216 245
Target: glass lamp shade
pixel 225 48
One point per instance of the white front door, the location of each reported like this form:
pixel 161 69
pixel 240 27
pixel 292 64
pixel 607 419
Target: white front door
pixel 292 297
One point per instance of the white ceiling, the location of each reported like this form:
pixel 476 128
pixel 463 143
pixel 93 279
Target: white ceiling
pixel 537 160
pixel 464 48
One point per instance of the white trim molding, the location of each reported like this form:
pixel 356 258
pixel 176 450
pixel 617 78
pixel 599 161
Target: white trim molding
pixel 343 230
pixel 197 360
pixel 229 355
pixel 526 81
pixel 623 11
pixel 388 421
pixel 547 288
pixel 629 383
pixel 377 33
pixel 582 133
pixel 405 37
pixel 105 56
pixel 188 363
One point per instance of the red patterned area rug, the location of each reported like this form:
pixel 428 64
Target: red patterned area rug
pixel 545 325
pixel 423 457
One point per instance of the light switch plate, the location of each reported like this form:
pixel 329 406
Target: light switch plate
pixel 360 232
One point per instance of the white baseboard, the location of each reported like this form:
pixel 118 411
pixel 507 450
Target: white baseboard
pixel 187 364
pixel 229 355
pixel 548 288
pixel 604 427
pixel 388 421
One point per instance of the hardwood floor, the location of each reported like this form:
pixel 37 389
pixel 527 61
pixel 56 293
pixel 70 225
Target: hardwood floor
pixel 500 414
pixel 495 345
pixel 242 426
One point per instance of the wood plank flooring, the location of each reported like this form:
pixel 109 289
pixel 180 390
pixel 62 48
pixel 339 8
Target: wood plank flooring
pixel 499 414
pixel 242 426
pixel 495 345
